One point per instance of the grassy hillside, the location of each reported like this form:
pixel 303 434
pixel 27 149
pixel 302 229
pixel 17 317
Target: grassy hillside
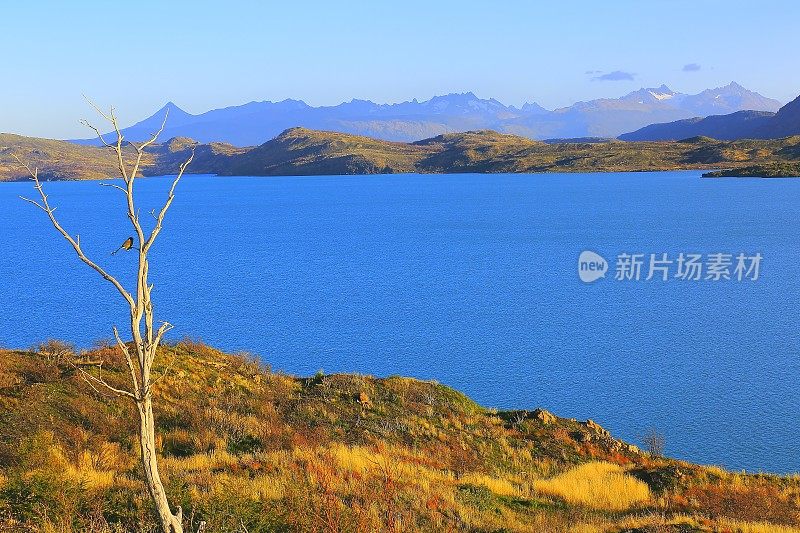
pixel 56 160
pixel 300 151
pixel 776 170
pixel 251 450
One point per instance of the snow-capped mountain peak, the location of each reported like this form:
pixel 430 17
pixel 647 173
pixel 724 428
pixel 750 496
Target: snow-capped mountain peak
pixel 651 95
pixel 660 95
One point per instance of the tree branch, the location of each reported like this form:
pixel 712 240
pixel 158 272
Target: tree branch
pixel 97 132
pixel 167 204
pixel 162 375
pixel 37 204
pixel 45 206
pixel 162 330
pixel 153 137
pixel 96 108
pixel 91 380
pixel 128 360
pixel 115 186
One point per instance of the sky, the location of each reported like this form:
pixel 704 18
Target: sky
pixel 205 55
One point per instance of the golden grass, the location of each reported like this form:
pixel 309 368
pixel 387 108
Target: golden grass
pixel 267 487
pixel 755 527
pixel 598 485
pixel 719 525
pixel 355 459
pixel 499 486
pixel 201 461
pixel 399 462
pixel 88 470
pixel 257 488
pixel 310 476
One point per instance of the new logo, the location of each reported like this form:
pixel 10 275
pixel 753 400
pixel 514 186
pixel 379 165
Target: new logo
pixel 591 266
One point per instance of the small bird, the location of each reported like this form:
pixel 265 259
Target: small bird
pixel 127 245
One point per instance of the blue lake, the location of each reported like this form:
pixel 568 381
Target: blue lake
pixel 470 280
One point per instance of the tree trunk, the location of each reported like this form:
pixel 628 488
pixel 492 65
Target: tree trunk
pixel 171 523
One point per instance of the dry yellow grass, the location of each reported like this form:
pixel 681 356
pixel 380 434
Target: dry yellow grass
pixel 267 487
pixel 355 459
pixel 258 488
pixel 314 463
pixel 755 527
pixel 499 486
pixel 720 525
pixel 88 470
pixel 398 462
pixel 598 485
pixel 200 461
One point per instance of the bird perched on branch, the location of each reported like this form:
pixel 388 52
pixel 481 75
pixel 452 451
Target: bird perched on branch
pixel 127 245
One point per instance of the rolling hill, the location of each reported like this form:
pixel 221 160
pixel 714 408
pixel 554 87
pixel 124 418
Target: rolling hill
pixel 300 151
pixel 55 160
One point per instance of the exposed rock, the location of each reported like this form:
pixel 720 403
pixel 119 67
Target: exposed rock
pixel 581 436
pixel 631 448
pixel 660 479
pixel 544 416
pixel 597 428
pixel 363 399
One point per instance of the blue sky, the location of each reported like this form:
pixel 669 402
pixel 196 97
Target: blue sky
pixel 203 55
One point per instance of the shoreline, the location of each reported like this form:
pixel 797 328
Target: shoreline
pixel 707 171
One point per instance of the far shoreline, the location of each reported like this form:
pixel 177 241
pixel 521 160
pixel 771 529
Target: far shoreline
pixel 706 173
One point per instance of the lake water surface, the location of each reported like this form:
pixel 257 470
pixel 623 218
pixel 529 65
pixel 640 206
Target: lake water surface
pixel 470 280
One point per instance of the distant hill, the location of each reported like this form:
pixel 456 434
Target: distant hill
pixel 777 170
pixel 256 122
pixel 301 151
pixel 785 122
pixel 56 160
pixel 63 160
pixel 739 125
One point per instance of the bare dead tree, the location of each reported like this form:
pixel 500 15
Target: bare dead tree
pixel 654 441
pixel 146 336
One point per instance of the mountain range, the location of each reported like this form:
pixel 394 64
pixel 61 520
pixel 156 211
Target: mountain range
pixel 256 122
pixel 739 125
